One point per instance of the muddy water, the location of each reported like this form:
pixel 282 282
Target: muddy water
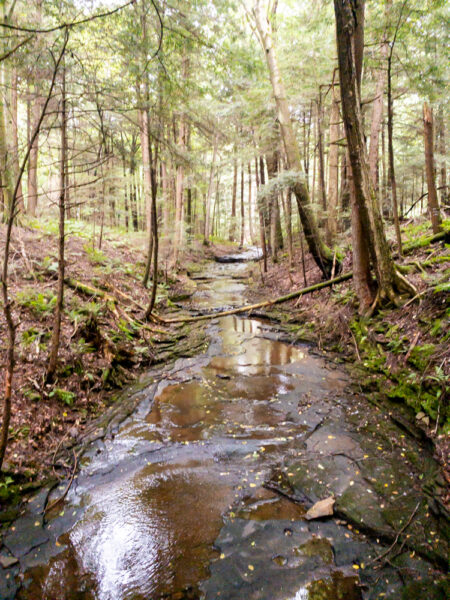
pixel 174 505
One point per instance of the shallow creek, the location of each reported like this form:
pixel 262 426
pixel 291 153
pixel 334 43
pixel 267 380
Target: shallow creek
pixel 188 498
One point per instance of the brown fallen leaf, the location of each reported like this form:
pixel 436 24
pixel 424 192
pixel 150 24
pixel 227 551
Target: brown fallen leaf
pixel 322 508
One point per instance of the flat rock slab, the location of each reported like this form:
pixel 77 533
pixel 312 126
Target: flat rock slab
pixel 376 475
pixel 291 560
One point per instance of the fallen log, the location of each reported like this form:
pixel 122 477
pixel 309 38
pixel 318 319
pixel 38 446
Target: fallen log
pixel 250 307
pixel 112 301
pixel 421 243
pixel 88 290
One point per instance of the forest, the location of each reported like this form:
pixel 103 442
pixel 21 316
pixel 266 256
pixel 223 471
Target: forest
pixel 234 217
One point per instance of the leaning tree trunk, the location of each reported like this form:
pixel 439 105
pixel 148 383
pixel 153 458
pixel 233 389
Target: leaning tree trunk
pixel 389 281
pixel 433 206
pixel 319 250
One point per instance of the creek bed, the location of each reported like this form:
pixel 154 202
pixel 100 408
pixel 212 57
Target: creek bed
pixel 202 492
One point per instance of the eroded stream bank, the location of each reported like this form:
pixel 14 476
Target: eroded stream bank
pixel 192 497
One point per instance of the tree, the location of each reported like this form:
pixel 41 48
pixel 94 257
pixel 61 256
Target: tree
pixel 389 281
pixel 433 205
pixel 319 250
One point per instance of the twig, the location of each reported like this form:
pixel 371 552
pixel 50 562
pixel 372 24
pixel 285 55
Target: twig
pixel 413 345
pixel 402 529
pixel 419 295
pixel 49 507
pixel 356 345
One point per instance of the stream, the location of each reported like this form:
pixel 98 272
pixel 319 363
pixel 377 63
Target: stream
pixel 202 492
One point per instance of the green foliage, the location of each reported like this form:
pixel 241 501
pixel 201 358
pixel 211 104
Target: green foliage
pixel 33 334
pixel 83 310
pixel 62 395
pixel 32 394
pixel 40 303
pixel 344 297
pixel 96 256
pixel 49 263
pixel 277 185
pixel 442 287
pixel 420 356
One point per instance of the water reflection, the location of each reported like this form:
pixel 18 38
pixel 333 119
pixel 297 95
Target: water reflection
pixel 148 531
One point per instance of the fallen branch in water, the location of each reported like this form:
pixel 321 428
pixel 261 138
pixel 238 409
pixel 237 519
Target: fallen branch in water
pixel 250 307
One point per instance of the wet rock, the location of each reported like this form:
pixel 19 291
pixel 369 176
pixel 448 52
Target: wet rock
pixel 323 508
pixel 26 534
pixel 327 441
pixel 8 561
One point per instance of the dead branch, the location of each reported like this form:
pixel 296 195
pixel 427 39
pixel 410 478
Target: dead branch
pixel 250 307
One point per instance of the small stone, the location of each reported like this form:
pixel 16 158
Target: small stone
pixel 323 508
pixel 8 561
pixel 420 415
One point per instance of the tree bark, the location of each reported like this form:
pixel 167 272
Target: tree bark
pixel 207 231
pixel 433 205
pixel 241 243
pixel 250 216
pixel 377 117
pixel 232 233
pixel 390 282
pixel 442 148
pixel 333 166
pixel 56 334
pixel 262 233
pixel 392 179
pixel 272 172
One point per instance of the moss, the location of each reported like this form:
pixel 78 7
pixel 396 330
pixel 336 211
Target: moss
pixel 420 356
pixel 431 590
pixel 317 547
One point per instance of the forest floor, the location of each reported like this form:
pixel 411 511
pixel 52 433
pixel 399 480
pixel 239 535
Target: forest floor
pixel 399 357
pixel 398 354
pixel 104 342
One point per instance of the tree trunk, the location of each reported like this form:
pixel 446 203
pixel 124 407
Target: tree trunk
pixel 360 248
pixel 377 116
pixel 333 167
pixel 320 252
pixel 442 147
pixel 15 140
pixel 433 205
pixel 389 281
pixel 250 217
pixel 262 233
pixel 241 242
pixel 272 172
pixel 207 231
pixel 56 334
pixel 232 234
pixel 391 155
pixel 322 195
